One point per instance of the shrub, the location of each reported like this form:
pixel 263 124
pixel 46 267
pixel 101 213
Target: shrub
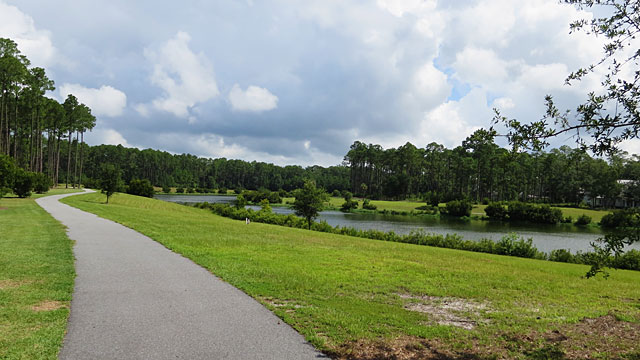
pixel 544 214
pixel 496 211
pixel 629 260
pixel 22 183
pixel 561 255
pixel 274 198
pixel 166 189
pixel 367 205
pixel 335 193
pixel 583 220
pixel 222 190
pixel 515 246
pixel 241 202
pixel 140 188
pixel 265 206
pixel 7 174
pixel 348 203
pixel 567 220
pixel 618 219
pixel 458 208
pixel 190 190
pixel 485 201
pixel 180 190
pixel 41 183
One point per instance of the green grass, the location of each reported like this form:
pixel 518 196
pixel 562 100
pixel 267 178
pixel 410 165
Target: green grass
pixel 335 289
pixel 36 269
pixel 405 205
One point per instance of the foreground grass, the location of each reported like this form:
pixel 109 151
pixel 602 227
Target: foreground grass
pixel 36 281
pixel 336 289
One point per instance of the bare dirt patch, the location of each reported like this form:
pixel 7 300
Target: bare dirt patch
pixel 289 306
pixel 11 284
pixel 405 348
pixel 605 337
pixel 3 208
pixel 48 305
pixel 447 310
pixel 602 338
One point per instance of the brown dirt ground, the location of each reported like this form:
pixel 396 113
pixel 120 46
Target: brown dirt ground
pixel 604 337
pixel 48 305
pixel 10 284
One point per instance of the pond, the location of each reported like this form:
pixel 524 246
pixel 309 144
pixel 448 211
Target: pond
pixel 545 237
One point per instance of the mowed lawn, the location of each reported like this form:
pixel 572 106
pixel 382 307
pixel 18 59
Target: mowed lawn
pixel 338 290
pixel 404 205
pixel 36 281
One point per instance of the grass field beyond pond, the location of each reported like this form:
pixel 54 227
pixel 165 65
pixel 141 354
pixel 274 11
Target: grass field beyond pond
pixel 36 281
pixel 340 291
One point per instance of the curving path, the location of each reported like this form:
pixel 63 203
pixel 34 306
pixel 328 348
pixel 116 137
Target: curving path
pixel 135 299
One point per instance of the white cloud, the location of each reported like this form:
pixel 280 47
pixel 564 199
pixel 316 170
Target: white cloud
pixel 102 135
pixel 35 43
pixel 400 7
pixel 480 66
pixel 187 78
pixel 255 99
pixel 453 121
pixel 504 103
pixel 430 82
pixel 105 101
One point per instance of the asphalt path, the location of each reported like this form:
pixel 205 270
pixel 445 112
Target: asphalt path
pixel 135 299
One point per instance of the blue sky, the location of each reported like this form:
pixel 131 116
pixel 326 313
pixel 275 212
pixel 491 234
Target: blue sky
pixel 296 82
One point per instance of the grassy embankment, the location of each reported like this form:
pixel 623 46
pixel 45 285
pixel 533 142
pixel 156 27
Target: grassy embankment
pixel 36 280
pixel 344 293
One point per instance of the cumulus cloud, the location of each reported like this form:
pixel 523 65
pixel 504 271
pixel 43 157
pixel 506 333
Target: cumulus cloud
pixel 104 101
pixel 384 71
pixel 35 43
pixel 452 121
pixel 102 135
pixel 185 77
pixel 430 82
pixel 255 99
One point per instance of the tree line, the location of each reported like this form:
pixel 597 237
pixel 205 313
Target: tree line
pixel 36 131
pixel 479 170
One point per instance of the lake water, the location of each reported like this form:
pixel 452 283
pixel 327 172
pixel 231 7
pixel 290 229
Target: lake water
pixel 545 237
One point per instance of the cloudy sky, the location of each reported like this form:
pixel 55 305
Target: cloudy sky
pixel 296 82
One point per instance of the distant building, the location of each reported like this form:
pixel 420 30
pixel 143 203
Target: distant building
pixel 629 196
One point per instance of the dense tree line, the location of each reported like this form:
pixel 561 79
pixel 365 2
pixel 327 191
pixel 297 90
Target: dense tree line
pixel 188 171
pixel 479 170
pixel 38 132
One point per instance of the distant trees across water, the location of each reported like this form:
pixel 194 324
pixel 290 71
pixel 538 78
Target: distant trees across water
pixel 480 171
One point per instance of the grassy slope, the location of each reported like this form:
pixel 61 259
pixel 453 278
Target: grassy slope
pixel 36 269
pixel 337 288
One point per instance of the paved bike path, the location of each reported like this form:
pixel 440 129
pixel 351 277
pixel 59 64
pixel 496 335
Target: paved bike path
pixel 135 299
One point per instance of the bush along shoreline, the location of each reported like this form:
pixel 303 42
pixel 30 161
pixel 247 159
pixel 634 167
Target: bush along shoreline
pixel 511 245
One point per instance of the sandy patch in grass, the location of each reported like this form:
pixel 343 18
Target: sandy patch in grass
pixel 446 310
pixel 11 284
pixel 48 305
pixel 289 306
